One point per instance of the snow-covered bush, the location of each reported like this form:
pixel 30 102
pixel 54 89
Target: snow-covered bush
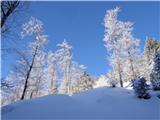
pixel 141 88
pixel 155 75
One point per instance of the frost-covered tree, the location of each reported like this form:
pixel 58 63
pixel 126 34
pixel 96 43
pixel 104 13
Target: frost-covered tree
pixel 131 51
pixel 37 80
pixel 52 73
pixel 68 71
pixel 155 74
pixel 32 59
pixel 151 47
pixel 113 33
pixel 10 87
pixel 64 56
pixel 76 72
pixel 117 65
pixel 121 45
pixel 28 70
pixel 138 63
pixel 84 83
pixel 141 88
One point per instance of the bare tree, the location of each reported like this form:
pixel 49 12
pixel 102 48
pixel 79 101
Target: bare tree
pixel 11 20
pixel 8 10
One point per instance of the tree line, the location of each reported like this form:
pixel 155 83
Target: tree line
pixel 123 49
pixel 38 73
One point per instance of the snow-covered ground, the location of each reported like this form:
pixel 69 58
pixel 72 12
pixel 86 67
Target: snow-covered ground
pixel 100 103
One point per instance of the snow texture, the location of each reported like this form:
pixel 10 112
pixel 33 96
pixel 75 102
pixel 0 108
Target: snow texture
pixel 101 103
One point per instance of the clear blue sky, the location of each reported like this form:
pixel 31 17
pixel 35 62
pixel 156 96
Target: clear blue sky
pixel 81 23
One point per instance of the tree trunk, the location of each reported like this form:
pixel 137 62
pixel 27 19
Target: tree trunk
pixel 120 75
pixel 132 68
pixel 28 75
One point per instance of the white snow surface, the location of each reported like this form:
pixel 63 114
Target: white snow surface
pixel 100 103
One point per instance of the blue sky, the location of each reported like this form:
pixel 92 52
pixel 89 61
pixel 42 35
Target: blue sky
pixel 81 23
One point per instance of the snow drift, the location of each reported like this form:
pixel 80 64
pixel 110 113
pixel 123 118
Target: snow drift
pixel 99 103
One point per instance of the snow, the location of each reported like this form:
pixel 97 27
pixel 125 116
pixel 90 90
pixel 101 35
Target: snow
pixel 99 103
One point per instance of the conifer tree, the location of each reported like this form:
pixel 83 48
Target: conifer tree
pixel 155 75
pixel 141 88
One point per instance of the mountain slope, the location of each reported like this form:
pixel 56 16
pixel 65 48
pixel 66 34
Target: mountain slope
pixel 100 103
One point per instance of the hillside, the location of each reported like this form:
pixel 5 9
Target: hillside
pixel 99 103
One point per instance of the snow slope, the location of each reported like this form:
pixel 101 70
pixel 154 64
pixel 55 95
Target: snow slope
pixel 99 103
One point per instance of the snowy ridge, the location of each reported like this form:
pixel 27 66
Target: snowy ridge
pixel 99 103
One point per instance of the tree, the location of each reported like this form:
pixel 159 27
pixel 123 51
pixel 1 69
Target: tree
pixel 84 83
pixel 117 65
pixel 8 11
pixel 32 28
pixel 151 47
pixel 64 56
pixel 61 68
pixel 52 72
pixel 14 82
pixel 155 74
pixel 121 45
pixel 141 88
pixel 37 80
pixel 131 52
pixel 113 33
pixel 28 73
pixel 10 87
pixel 76 71
pixel 7 8
pixel 11 19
